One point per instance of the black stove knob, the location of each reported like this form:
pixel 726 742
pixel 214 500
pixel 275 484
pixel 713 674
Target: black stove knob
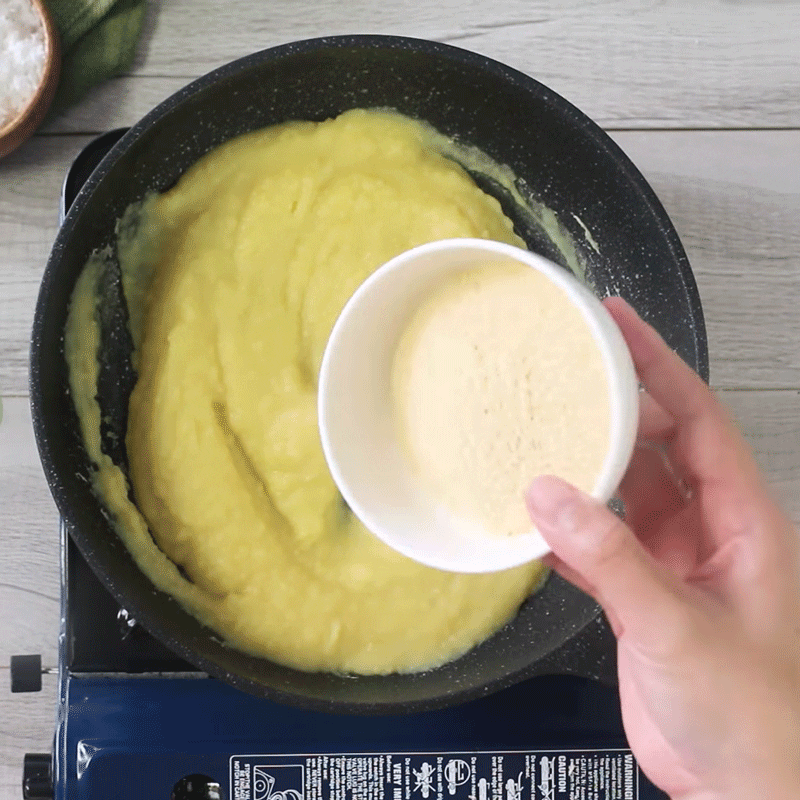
pixel 196 787
pixel 37 776
pixel 26 673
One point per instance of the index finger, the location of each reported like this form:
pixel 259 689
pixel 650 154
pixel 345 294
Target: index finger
pixel 707 447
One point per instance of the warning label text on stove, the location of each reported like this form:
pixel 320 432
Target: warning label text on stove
pixel 522 775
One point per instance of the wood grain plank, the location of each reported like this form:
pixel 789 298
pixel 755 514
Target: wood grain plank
pixel 771 424
pixel 626 64
pixel 734 198
pixel 30 189
pixel 29 564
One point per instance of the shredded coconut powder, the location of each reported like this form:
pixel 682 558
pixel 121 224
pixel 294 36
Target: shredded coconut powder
pixel 23 52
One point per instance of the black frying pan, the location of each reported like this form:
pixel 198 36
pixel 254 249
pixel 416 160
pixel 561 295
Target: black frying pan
pixel 570 165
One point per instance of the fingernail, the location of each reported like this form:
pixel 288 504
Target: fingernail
pixel 553 503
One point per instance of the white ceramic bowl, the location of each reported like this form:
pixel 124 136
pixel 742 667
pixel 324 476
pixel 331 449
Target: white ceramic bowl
pixel 356 421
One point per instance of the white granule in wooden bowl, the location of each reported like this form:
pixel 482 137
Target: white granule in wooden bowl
pixel 23 56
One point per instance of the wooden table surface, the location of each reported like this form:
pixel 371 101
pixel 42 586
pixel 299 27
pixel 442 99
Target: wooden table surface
pixel 705 99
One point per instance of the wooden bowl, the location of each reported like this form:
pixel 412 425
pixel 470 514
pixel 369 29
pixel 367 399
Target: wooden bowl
pixel 14 133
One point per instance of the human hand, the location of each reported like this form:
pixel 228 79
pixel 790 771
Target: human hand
pixel 704 598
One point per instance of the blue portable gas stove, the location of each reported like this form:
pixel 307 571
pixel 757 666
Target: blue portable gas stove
pixel 135 721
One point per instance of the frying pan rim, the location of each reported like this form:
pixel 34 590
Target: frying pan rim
pixel 277 53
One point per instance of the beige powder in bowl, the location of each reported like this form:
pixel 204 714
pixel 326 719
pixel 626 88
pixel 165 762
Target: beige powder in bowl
pixel 496 380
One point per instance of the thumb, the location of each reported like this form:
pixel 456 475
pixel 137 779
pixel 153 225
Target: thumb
pixel 633 588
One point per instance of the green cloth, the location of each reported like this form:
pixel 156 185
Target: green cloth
pixel 98 41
